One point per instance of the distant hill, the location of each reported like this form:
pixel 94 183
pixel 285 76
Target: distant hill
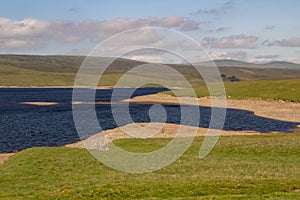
pixel 62 63
pixel 235 63
pixel 57 63
pixel 226 63
pixel 282 65
pixel 57 70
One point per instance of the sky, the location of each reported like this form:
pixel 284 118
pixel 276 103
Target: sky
pixel 254 31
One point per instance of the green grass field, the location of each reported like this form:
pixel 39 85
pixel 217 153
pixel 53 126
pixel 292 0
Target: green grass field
pixel 239 167
pixel 287 90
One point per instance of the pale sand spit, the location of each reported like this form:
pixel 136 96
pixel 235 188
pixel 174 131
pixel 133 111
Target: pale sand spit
pixel 149 130
pixel 286 111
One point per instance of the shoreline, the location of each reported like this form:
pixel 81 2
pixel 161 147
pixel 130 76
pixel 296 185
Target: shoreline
pixel 161 130
pixel 286 111
pixel 5 156
pixel 167 131
pixel 280 110
pixel 112 87
pixel 62 87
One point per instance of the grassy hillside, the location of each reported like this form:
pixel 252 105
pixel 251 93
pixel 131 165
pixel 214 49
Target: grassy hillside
pixel 32 70
pixel 265 83
pixel 236 63
pixel 65 64
pixel 287 90
pixel 239 167
pixel 249 74
pixel 14 76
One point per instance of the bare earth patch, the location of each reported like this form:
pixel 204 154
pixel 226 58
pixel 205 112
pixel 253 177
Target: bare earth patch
pixel 5 156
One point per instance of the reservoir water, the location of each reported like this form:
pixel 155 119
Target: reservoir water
pixel 23 126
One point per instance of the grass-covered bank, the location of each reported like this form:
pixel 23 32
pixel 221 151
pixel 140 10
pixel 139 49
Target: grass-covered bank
pixel 287 90
pixel 239 167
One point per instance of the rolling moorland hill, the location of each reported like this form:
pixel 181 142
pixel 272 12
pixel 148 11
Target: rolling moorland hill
pixel 57 70
pixel 236 63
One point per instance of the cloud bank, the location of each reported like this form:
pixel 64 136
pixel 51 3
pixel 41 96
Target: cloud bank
pixel 33 33
pixel 290 42
pixel 234 55
pixel 231 42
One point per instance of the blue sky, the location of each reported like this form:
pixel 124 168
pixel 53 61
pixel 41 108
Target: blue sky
pixel 254 31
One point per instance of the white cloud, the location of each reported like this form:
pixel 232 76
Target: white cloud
pixel 11 43
pixel 143 37
pixel 234 55
pixel 290 42
pixel 232 41
pixel 292 59
pixel 264 58
pixel 270 58
pixel 24 28
pixel 171 21
pixel 216 30
pixel 189 26
pixel 216 55
pixel 153 58
pixel 15 34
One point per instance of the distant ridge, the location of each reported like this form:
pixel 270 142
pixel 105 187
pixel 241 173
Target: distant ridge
pixel 236 63
pixel 60 70
pixel 71 63
pixel 283 64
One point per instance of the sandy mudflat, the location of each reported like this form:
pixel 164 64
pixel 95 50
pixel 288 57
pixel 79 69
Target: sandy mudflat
pixel 40 103
pixel 286 111
pixel 74 102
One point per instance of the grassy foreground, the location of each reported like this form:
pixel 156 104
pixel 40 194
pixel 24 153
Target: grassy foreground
pixel 239 167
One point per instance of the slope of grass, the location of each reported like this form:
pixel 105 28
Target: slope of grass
pixel 64 64
pixel 287 90
pixel 13 76
pixel 36 70
pixel 248 74
pixel 239 167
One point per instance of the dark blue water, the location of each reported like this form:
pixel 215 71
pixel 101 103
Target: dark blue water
pixel 24 126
